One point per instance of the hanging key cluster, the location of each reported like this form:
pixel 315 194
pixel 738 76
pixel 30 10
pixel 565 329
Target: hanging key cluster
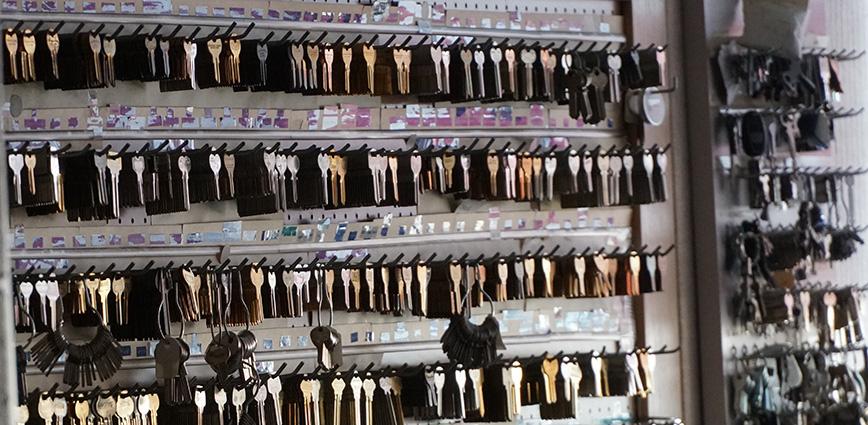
pixel 787 186
pixel 97 185
pixel 777 383
pixel 133 407
pixel 814 79
pixel 252 293
pixel 585 79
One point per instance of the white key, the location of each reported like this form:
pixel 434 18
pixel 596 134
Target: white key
pixel 293 164
pixel 323 162
pixel 550 166
pixel 229 163
pixel 139 169
pixel 16 164
pixel 114 166
pixel 461 380
pixel 26 290
pixel 53 294
pixel 184 167
pixel 100 161
pixel 41 288
pixel 239 396
pixel 603 165
pixel 216 165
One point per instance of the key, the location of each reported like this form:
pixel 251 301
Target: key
pixel 416 168
pixel 57 187
pixel 114 166
pixel 467 59
pixel 599 81
pixel 52 40
pixel 588 164
pixel 648 163
pixel 333 169
pixel 324 163
pixel 512 162
pixel 155 407
pixel 53 294
pixel 199 401
pixel 551 166
pixel 537 178
pixel 437 58
pixel 662 163
pixel 338 386
pixel 110 48
pixel 628 172
pixel 369 278
pixel 299 76
pixel 260 397
pixel 262 55
pixel 407 281
pixel 275 387
pixel 448 166
pixel 345 279
pixel 479 58
pixel 347 55
pixel 356 386
pixel 373 165
pixel 215 165
pixel 496 56
pixel 369 386
pixel 151 47
pixel 60 409
pixel 126 406
pixel 393 167
pixel 272 286
pixel 82 411
pixel 370 59
pixel 143 407
pixel 596 366
pixel 100 161
pixel 550 373
pixel 342 174
pixel 184 167
pixel 574 164
pixel 356 279
pixel 103 290
pixel 281 167
pixel 515 375
pixel 615 166
pixel 549 62
pixel 106 407
pixel 328 58
pixel 220 400
pixel 28 65
pixel 11 39
pixel 239 396
pixel 439 383
pixel 235 61
pixel 464 160
pixel 529 265
pixel 313 55
pixel 461 380
pixel 45 409
pixel 139 169
pixel 614 62
pixel 41 288
pixel 16 164
pixel 30 163
pixel 422 275
pixel 510 66
pixel 446 57
pixel 96 49
pixel 118 286
pixel 493 166
pixel 603 166
pixel 475 377
pixel 190 51
pixel 164 47
pixel 528 57
pixel 293 164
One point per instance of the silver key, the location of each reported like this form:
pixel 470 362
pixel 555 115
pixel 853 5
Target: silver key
pixel 528 57
pixel 614 62
pixel 479 57
pixel 496 56
pixel 16 164
pixel 615 164
pixel 139 169
pixel 184 167
pixel 100 161
pixel 216 165
pixel 114 166
pixel 551 165
pixel 467 59
pixel 628 171
pixel 603 166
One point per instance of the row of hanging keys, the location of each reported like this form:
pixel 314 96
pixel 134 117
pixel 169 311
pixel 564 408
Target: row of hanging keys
pixel 486 72
pixel 92 185
pixel 253 293
pixel 788 186
pixel 124 407
pixel 498 392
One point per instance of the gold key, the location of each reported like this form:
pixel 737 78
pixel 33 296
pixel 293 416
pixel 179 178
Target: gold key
pixel 448 166
pixel 393 166
pixel 342 174
pixel 214 48
pixel 328 58
pixel 313 55
pixel 96 48
pixel 493 166
pixel 333 167
pixel 11 39
pixel 52 40
pixel 347 53
pixel 370 59
pixel 235 49
pixel 30 163
pixel 28 64
pixel 110 48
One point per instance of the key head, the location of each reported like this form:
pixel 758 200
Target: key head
pixel 54 165
pixel 138 165
pixel 214 163
pixel 616 164
pixel 603 164
pixel 22 414
pixel 466 57
pixel 164 46
pixel 100 162
pixel 297 53
pixel 356 386
pixel 125 406
pixel 347 55
pixel 106 407
pixel 262 52
pixel 369 386
pixel 220 397
pixel 574 163
pixel 386 384
pixel 567 60
pixel 82 409
pixel 512 161
pixel 150 44
pixel 143 404
pixel 449 161
pixel 328 55
pixel 436 54
pixel 495 54
pixel 614 62
pixel 447 58
pixel 323 163
pixel 199 399
pixel 293 164
pixel 53 42
pixel 30 161
pixel 259 397
pixel 313 52
pixel 369 54
pixel 270 160
pixel 416 164
pixel 110 47
pixel 551 164
pixel 114 166
pixel 274 386
pixel 95 43
pixel 479 57
pixel 493 163
pixel 239 396
pixel 628 160
pixel 59 407
pixel 214 48
pixel 16 163
pixel 184 164
pixel 280 163
pixel 45 409
pixel 662 161
pixel 528 56
pixel 118 285
pixel 235 47
pixel 465 162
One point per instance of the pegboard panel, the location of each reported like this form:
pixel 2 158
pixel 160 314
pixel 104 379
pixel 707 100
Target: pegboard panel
pixel 601 7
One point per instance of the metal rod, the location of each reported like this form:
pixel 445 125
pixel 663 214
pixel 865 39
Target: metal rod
pixel 101 18
pixel 270 134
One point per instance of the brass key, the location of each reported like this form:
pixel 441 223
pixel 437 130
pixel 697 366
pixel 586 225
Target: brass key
pixel 510 64
pixel 235 63
pixel 528 57
pixel 328 58
pixel 347 53
pixel 11 39
pixel 370 59
pixel 96 48
pixel 313 55
pixel 52 40
pixel 110 48
pixel 446 57
pixel 28 64
pixel 214 48
pixel 30 163
pixel 493 165
pixel 467 59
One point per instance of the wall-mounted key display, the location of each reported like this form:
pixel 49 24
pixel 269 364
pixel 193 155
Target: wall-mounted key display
pixel 95 184
pixel 249 293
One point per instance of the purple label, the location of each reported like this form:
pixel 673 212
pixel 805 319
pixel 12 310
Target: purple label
pixel 88 7
pixel 175 238
pixel 293 16
pixel 34 124
pixel 475 116
pixel 49 6
pixel 114 239
pixel 10 5
pixel 461 116
pixel 58 242
pixel 128 7
pixel 489 117
pixel 273 14
pixel 237 12
pixel 257 13
pixel 327 17
pixel 31 6
pixel 69 6
pixel 79 241
pixel 184 10
pixel 281 122
pixel 310 16
pixel 109 8
pixel 37 242
pixel 136 239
